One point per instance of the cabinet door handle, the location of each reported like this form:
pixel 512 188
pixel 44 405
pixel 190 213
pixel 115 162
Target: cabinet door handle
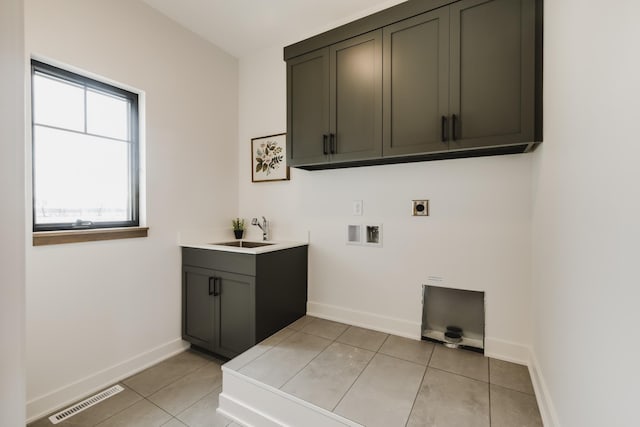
pixel 454 125
pixel 216 286
pixel 212 280
pixel 325 137
pixel 333 146
pixel 445 137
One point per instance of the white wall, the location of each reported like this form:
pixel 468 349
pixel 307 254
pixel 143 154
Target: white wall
pixel 585 219
pixel 97 311
pixel 12 259
pixel 477 237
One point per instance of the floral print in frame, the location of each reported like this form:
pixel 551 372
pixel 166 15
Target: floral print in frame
pixel 269 158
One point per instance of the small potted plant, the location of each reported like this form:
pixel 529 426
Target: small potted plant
pixel 238 227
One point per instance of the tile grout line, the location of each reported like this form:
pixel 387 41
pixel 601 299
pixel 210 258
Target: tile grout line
pixel 195 403
pixel 264 352
pixel 189 350
pixel 351 386
pixel 260 356
pixel 358 377
pixel 176 380
pixel 124 409
pixel 141 400
pixel 514 390
pixel 173 382
pixel 433 350
pixel 357 346
pixel 458 375
pixel 489 387
pixel 296 332
pixel 171 419
pixel 415 398
pixel 343 332
pixel 352 345
pixel 314 357
pixel 163 410
pixel 507 387
pixel 424 375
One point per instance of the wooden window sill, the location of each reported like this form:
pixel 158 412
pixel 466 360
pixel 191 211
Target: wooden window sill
pixel 42 238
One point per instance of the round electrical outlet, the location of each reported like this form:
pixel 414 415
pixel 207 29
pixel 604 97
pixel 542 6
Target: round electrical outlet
pixel 420 208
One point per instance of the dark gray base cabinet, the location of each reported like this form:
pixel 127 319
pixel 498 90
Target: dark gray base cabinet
pixel 423 80
pixel 231 301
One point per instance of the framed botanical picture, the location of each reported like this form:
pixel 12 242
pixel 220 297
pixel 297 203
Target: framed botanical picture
pixel 269 158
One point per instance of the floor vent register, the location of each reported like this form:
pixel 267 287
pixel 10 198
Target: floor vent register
pixel 85 404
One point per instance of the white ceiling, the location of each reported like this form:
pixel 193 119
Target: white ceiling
pixel 244 26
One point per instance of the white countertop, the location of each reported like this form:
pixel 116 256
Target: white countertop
pixel 274 246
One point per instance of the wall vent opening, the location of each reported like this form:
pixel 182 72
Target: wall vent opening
pixel 453 317
pixel 85 404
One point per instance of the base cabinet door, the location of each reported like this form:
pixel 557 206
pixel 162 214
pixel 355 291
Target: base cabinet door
pixel 235 313
pixel 198 322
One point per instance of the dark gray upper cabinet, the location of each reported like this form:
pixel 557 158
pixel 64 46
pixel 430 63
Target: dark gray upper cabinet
pixel 334 103
pixel 459 79
pixel 308 108
pixel 356 98
pixel 231 301
pixel 492 72
pixel 416 81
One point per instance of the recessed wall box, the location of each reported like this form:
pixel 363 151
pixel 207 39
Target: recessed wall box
pixel 420 208
pixel 354 234
pixel 373 234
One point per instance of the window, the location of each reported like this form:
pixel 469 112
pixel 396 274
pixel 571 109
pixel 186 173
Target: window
pixel 85 152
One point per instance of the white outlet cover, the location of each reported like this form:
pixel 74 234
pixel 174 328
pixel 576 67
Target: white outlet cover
pixel 357 207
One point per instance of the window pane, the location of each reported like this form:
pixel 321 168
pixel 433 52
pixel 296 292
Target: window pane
pixel 56 103
pixel 79 177
pixel 107 115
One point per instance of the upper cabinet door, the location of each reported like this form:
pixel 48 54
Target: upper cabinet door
pixel 308 108
pixel 356 98
pixel 416 84
pixel 492 72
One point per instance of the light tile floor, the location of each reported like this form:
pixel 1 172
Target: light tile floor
pixel 178 392
pixel 369 377
pixel 383 380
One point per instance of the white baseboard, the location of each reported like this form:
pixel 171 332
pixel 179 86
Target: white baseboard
pixel 57 399
pixel 389 325
pixel 494 347
pixel 545 404
pixel 506 350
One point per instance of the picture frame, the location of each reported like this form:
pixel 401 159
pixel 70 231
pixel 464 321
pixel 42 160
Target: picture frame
pixel 269 158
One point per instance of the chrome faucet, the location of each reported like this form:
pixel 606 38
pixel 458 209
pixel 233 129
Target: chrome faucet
pixel 264 227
